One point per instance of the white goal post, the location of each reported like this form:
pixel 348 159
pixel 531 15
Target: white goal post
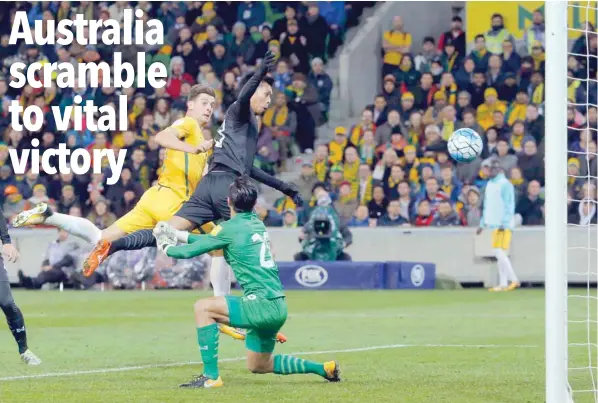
pixel 556 202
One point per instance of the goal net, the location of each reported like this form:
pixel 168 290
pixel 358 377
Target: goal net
pixel 571 239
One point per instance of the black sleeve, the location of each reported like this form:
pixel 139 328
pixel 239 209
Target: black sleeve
pixel 250 86
pixel 66 261
pixel 346 233
pixel 4 236
pixel 266 179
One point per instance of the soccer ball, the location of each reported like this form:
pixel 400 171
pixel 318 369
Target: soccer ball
pixel 465 145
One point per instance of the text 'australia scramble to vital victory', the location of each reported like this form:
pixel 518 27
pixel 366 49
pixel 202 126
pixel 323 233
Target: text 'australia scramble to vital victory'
pixel 85 75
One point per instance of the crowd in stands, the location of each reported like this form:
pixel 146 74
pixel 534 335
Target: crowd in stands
pixel 392 168
pixel 212 43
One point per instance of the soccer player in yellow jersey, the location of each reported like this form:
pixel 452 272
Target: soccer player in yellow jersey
pixel 186 159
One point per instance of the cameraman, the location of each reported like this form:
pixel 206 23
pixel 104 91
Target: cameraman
pixel 324 236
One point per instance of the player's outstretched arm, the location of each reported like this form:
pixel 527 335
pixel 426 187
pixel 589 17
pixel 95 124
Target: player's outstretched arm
pixel 288 189
pixel 169 138
pixel 251 85
pixel 199 244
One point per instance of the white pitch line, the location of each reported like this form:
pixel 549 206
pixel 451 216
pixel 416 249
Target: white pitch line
pixel 181 364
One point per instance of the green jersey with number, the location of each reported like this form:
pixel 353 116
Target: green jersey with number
pixel 246 246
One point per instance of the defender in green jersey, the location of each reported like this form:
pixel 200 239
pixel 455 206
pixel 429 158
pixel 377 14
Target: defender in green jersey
pixel 262 309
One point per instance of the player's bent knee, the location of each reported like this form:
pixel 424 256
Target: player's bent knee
pixel 201 305
pixel 256 367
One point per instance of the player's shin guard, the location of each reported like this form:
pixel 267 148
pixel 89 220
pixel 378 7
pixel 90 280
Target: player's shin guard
pixel 134 241
pixel 287 365
pixel 220 276
pixel 16 324
pixel 207 338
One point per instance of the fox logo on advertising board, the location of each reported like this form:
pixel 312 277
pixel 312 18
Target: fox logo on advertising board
pixel 311 276
pixel 418 275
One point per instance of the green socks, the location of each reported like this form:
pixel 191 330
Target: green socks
pixel 287 364
pixel 207 338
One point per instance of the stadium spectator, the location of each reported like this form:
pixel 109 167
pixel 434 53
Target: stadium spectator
pixel 366 123
pixel 319 79
pixel 587 212
pixel 304 101
pixel 424 215
pixel 293 46
pixel 497 34
pixel 345 205
pixel 464 75
pixel 486 110
pixel 282 121
pixel 530 162
pixel 252 14
pixel 511 61
pixel 367 148
pixel 432 194
pixel 449 122
pixel 28 182
pixel 377 206
pixel 100 215
pixel 449 184
pixel 351 165
pixel 280 26
pixel 360 218
pixel 390 91
pixel 424 59
pixel 391 185
pixel 39 196
pixel 450 58
pixel 395 43
pixel 446 216
pixel 407 106
pixel 241 47
pixel 506 160
pixel 335 16
pixel 536 32
pixel 316 30
pixel 289 219
pixel 433 115
pixel 531 206
pixel 60 261
pixel 393 217
pixel 379 110
pixel 67 200
pixel 362 188
pixel 406 202
pixel 518 182
pixel 307 180
pixel 472 208
pixel 13 202
pixel 507 90
pixel 261 46
pixel 406 74
pixel 282 75
pixel 384 131
pixel 480 53
pixel 588 161
pixel 456 35
pixel 265 213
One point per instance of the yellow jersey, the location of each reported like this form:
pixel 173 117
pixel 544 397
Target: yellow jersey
pixel 396 39
pixel 182 171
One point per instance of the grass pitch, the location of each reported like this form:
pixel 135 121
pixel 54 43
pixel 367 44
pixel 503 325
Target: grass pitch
pixel 393 346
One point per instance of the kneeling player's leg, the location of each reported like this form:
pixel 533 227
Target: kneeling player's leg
pixel 208 313
pixel 14 318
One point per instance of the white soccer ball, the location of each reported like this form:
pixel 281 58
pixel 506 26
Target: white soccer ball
pixel 465 145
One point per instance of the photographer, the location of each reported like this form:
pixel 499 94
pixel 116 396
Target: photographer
pixel 324 237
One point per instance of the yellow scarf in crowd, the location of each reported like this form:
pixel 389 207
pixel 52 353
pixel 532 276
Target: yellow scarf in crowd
pixel 135 113
pixel 516 141
pixel 538 94
pixel 357 132
pixel 538 60
pixel 516 111
pixel 321 169
pixel 447 189
pixel 350 171
pixel 284 203
pixel 450 94
pixel 448 127
pixel 413 137
pixel 516 182
pixel 392 183
pixel 336 151
pixel 451 61
pixel 277 115
pixel 572 89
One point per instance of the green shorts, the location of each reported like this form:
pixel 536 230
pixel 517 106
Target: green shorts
pixel 262 318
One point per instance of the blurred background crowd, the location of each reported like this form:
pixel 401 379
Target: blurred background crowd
pixel 389 168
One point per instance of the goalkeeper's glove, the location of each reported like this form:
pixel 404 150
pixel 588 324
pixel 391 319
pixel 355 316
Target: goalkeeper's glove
pixel 291 190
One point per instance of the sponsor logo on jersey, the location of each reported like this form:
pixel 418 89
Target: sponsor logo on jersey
pixel 311 276
pixel 216 230
pixel 418 275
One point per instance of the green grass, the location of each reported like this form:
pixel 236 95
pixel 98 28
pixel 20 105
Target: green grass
pixel 438 346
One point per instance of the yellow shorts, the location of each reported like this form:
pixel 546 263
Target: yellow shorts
pixel 158 203
pixel 501 239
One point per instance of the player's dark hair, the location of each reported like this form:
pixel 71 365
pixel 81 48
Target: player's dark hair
pixel 199 89
pixel 242 194
pixel 268 80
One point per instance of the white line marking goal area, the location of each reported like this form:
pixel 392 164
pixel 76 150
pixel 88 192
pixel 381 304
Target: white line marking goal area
pixel 233 359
